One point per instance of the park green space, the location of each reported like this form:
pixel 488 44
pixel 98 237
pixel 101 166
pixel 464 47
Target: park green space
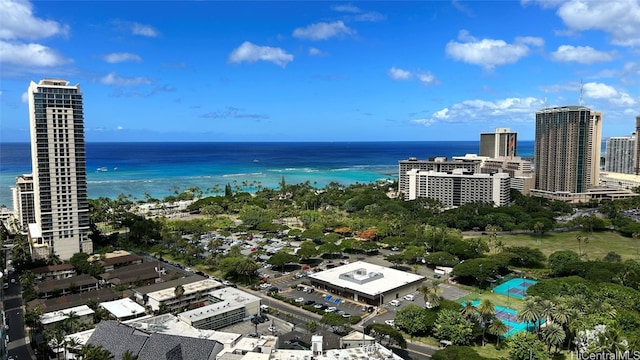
pixel 597 246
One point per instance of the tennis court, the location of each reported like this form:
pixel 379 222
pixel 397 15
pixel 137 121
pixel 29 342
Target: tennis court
pixel 508 317
pixel 516 288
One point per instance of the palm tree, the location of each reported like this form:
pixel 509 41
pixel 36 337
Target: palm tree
pixel 468 311
pixel 486 309
pixel 529 313
pixel 247 267
pixel 498 328
pixel 128 355
pixel 553 334
pixel 547 308
pixel 55 338
pixel 94 352
pixel 71 321
pixel 431 293
pixel 72 344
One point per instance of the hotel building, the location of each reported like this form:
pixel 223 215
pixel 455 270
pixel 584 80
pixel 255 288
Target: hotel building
pixel 23 201
pixel 457 188
pixel 438 164
pixel 567 149
pixel 500 143
pixel 56 122
pixel 620 154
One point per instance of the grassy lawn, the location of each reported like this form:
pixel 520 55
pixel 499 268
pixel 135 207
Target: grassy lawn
pixel 598 245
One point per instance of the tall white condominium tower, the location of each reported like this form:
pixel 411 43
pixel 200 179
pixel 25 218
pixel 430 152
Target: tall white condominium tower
pixel 500 143
pixel 56 121
pixel 567 149
pixel 620 156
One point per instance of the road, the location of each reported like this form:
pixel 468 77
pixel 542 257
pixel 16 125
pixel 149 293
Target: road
pixel 18 346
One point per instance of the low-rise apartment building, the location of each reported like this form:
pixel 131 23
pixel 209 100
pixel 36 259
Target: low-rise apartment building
pixel 227 306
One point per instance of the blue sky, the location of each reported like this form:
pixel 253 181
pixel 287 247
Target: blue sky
pixel 321 70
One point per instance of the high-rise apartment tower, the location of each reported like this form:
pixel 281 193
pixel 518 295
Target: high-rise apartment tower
pixel 567 149
pixel 500 143
pixel 56 122
pixel 620 154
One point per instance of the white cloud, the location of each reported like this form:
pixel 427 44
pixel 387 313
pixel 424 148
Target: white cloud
pixel 144 30
pixel 489 53
pixel 19 22
pixel 603 91
pixel 316 52
pixel 399 74
pixel 30 55
pixel 507 110
pixel 115 80
pixel 356 14
pixel 423 122
pixel 24 97
pixel 346 8
pixel 427 78
pixel 119 127
pixel 580 54
pixel 323 31
pixel 121 57
pixel 248 52
pixel 620 18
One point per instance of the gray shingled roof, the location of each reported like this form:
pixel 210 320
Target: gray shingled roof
pixel 118 338
pixel 172 347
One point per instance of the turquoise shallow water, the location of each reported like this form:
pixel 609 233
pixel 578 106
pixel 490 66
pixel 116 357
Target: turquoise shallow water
pixel 156 168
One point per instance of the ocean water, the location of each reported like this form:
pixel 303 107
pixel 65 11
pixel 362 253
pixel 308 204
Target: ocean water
pixel 158 169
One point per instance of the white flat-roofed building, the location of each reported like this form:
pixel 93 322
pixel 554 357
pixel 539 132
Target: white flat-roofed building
pixel 192 292
pixel 457 188
pixel 83 314
pixel 366 282
pixel 228 306
pixel 374 351
pixel 123 309
pixel 356 339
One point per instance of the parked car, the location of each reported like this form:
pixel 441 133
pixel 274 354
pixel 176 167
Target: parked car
pixel 273 289
pixel 331 309
pixel 390 322
pixel 409 297
pixel 394 302
pixel 309 302
pixel 300 300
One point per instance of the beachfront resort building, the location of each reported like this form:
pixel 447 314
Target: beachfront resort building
pixel 439 164
pixel 457 187
pixel 501 142
pixel 567 150
pixel 56 122
pixel 366 283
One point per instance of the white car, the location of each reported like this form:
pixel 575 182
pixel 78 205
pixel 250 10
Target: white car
pixel 272 329
pixel 390 322
pixel 428 305
pixel 394 302
pixel 300 300
pixel 409 297
pixel 265 285
pixel 331 309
